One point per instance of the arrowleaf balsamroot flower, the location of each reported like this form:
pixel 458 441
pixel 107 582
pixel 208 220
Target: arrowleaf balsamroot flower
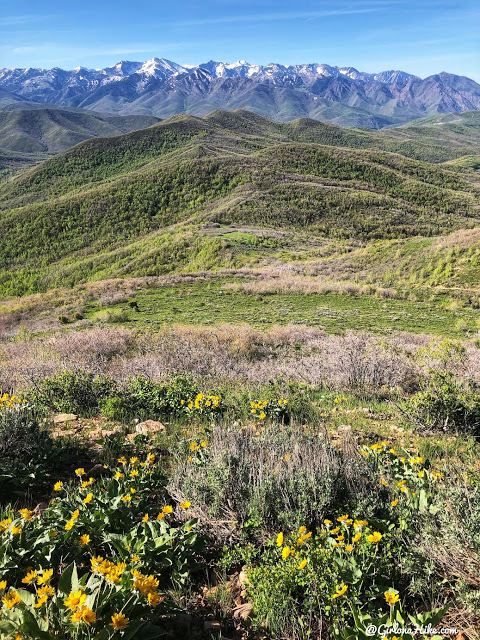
pixel 391 597
pixel 376 536
pixel 41 601
pixel 154 599
pixel 75 600
pixel 119 621
pixel 30 577
pixel 286 552
pixel 11 599
pixel 280 539
pixel 185 505
pixel 46 590
pixel 303 564
pixel 84 540
pixel 84 614
pixel 45 577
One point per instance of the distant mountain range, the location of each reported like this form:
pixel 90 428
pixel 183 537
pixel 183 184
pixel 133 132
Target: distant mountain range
pixel 162 88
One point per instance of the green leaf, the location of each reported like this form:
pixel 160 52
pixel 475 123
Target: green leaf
pixel 145 630
pixel 30 627
pixel 69 580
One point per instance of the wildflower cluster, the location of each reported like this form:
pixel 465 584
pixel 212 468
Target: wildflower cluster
pixel 349 533
pixel 118 525
pixel 201 404
pixel 406 475
pixel 293 550
pixel 8 401
pixel 262 409
pixel 196 451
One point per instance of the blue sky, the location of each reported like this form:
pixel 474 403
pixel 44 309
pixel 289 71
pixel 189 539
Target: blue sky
pixel 419 36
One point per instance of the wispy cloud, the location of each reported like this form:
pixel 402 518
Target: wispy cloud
pixel 15 21
pixel 281 15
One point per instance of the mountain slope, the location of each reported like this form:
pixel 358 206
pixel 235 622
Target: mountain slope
pixel 142 203
pixel 52 130
pixel 284 92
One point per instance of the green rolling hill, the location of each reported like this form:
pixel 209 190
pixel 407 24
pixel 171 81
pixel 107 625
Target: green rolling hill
pixel 51 130
pixel 152 201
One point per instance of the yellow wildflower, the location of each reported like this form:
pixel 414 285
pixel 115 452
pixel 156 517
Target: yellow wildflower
pixel 84 614
pixel 88 498
pixel 75 600
pixel 11 599
pixel 286 551
pixel 119 621
pixel 80 471
pixel 391 597
pixel 45 577
pixel 46 590
pixel 340 591
pixel 185 505
pixel 303 564
pixel 30 577
pixel 40 602
pixel 85 539
pixel 280 539
pixel 154 599
pixel 376 536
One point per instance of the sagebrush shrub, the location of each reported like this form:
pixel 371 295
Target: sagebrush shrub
pixel 256 483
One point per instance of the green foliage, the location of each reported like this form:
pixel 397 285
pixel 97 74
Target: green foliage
pixel 446 403
pixel 145 399
pixel 29 457
pixel 73 391
pixel 111 315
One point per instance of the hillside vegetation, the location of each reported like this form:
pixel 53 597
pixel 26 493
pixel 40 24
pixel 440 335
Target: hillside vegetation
pixel 141 204
pixel 51 129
